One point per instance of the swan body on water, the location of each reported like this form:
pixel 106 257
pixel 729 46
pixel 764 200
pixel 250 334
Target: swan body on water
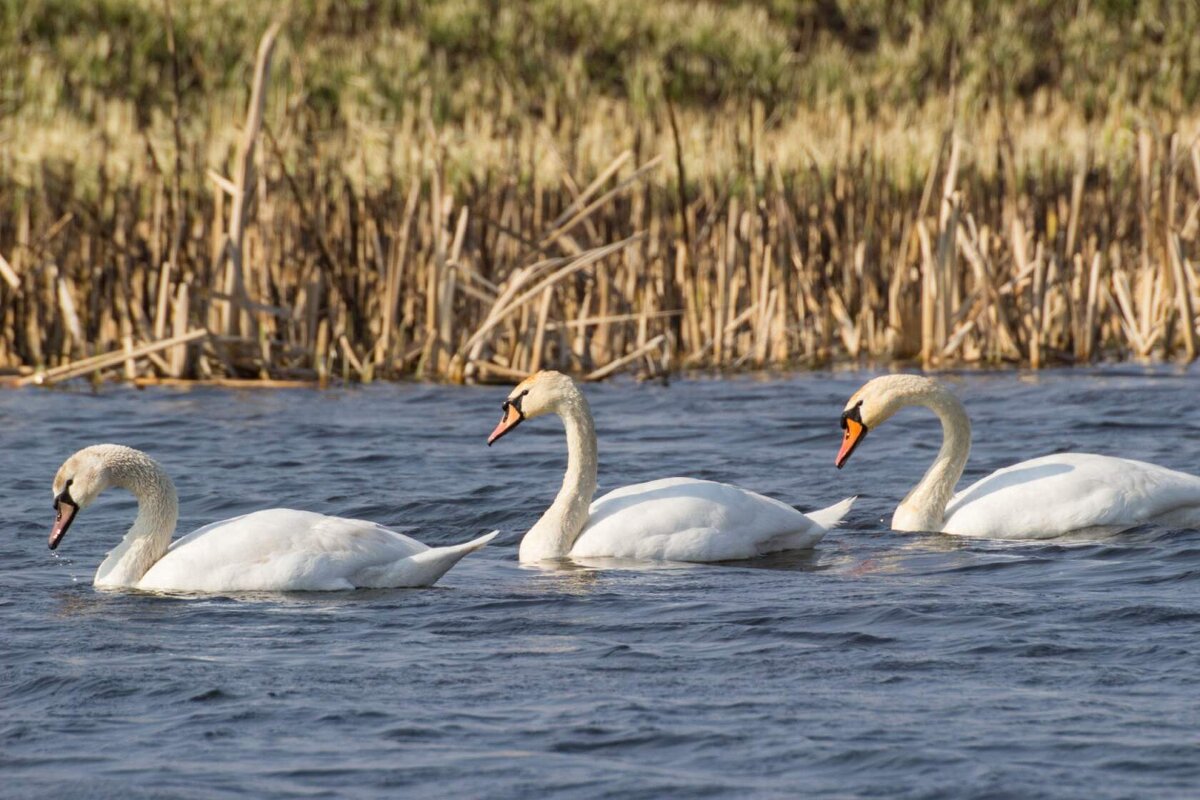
pixel 1035 499
pixel 673 519
pixel 274 550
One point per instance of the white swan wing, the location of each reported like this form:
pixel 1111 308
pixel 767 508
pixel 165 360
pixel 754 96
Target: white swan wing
pixel 287 550
pixel 1057 494
pixel 684 519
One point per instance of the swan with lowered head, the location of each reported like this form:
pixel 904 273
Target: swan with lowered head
pixel 673 519
pixel 267 551
pixel 1036 499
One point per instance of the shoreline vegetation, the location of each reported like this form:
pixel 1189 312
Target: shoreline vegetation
pixel 473 190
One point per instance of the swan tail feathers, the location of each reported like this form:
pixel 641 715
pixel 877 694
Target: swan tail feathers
pixel 451 554
pixel 465 547
pixel 832 516
pixel 424 568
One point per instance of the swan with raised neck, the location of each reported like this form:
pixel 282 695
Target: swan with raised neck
pixel 272 550
pixel 679 519
pixel 555 532
pixel 1038 498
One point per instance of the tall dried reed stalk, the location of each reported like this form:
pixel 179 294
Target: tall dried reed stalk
pixel 288 272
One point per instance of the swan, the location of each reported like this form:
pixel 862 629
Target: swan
pixel 673 519
pixel 1036 499
pixel 267 551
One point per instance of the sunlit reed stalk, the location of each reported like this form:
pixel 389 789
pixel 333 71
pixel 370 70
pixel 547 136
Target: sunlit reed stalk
pixel 292 271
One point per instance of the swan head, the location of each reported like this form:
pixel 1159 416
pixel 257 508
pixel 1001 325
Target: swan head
pixel 86 474
pixel 543 392
pixel 875 403
pixel 78 482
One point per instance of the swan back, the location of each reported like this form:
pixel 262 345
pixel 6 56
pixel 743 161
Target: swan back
pixel 282 549
pixel 1064 492
pixel 685 519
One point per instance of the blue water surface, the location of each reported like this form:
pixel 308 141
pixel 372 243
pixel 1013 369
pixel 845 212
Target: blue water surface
pixel 879 665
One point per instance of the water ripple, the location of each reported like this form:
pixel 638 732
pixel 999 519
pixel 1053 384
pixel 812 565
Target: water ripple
pixel 881 665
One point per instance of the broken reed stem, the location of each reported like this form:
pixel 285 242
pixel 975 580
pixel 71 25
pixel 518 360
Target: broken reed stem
pixel 97 363
pixel 612 367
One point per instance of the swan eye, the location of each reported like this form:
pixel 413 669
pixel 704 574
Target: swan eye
pixel 515 402
pixel 65 495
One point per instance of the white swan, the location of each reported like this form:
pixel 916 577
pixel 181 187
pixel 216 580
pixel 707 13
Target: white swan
pixel 1036 499
pixel 673 519
pixel 274 550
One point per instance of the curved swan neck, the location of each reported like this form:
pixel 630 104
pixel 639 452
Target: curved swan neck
pixel 158 510
pixel 924 509
pixel 554 534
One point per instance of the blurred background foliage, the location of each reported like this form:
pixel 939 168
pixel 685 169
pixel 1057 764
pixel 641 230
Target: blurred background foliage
pixel 73 69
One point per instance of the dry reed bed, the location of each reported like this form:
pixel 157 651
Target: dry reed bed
pixel 286 272
pixel 501 279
